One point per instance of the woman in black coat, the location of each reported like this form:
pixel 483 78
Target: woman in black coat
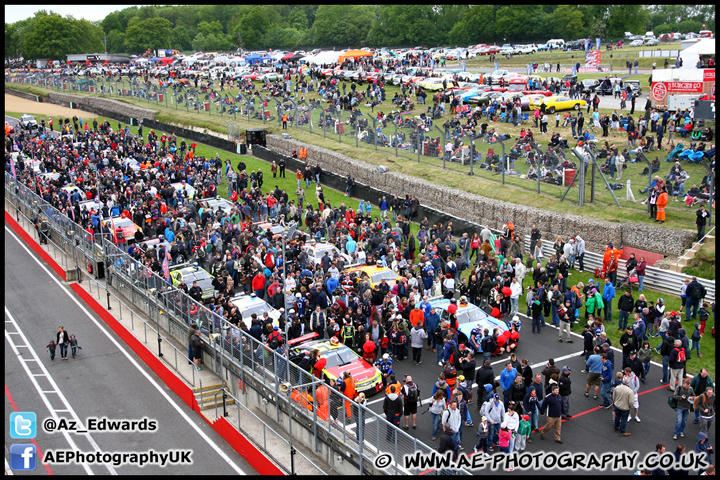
pixel 62 340
pixel 517 393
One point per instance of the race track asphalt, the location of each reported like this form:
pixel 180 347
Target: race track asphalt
pixel 590 429
pixel 101 382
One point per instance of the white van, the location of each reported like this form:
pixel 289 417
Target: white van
pixel 556 43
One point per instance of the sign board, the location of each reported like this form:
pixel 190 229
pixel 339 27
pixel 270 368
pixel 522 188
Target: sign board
pixel 705 109
pixel 592 58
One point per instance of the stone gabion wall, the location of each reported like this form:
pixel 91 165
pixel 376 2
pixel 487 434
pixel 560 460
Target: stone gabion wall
pixel 102 103
pixel 494 213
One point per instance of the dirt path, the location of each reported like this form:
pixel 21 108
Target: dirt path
pixel 20 105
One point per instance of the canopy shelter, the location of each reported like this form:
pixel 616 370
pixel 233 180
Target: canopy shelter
pixel 353 54
pixel 322 58
pixel 704 48
pixel 288 56
pixel 294 58
pixel 253 59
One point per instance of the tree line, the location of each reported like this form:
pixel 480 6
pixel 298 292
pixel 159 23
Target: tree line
pixel 134 29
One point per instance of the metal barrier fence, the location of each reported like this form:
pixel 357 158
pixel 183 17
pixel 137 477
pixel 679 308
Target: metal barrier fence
pixel 658 279
pixel 176 359
pixel 280 457
pixel 367 132
pixel 339 417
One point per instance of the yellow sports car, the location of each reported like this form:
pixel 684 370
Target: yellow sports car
pixel 375 274
pixel 433 84
pixel 558 102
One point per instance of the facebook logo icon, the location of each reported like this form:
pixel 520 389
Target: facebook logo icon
pixel 23 456
pixel 23 425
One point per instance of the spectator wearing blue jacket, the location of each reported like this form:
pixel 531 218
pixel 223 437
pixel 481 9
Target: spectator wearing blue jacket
pixel 640 328
pixel 432 320
pixel 555 411
pixel 332 284
pixel 169 234
pixel 608 295
pixel 607 373
pixel 507 377
pixel 449 348
pixel 383 207
pixel 594 369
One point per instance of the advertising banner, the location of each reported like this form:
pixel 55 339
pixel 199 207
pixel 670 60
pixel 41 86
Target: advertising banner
pixel 592 58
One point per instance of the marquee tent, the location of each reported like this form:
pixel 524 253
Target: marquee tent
pixel 253 59
pixel 703 48
pixel 325 57
pixel 353 54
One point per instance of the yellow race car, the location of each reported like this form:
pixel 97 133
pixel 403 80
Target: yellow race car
pixel 558 102
pixel 339 358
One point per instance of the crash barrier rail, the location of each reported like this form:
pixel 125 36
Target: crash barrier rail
pixel 63 232
pixel 427 147
pixel 28 225
pixel 658 279
pixel 253 434
pixel 155 298
pixel 329 414
pixel 178 358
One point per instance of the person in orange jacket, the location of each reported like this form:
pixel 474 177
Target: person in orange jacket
pixel 347 387
pixel 610 251
pixel 661 203
pixel 417 317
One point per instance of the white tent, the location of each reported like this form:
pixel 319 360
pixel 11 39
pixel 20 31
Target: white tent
pixel 325 57
pixel 691 55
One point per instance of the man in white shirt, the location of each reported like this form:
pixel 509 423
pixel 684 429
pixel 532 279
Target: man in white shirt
pixel 516 291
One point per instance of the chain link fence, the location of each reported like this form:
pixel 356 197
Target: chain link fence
pixel 408 131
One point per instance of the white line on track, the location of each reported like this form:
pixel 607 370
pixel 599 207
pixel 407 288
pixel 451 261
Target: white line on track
pixel 56 389
pixel 112 339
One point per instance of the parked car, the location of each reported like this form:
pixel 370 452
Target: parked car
pixel 636 86
pixel 339 358
pixel 543 47
pixel 525 49
pixel 249 304
pixel 469 316
pixel 557 102
pixel 588 85
pixel 636 43
pixel 374 274
pixel 193 273
pixel 317 251
pixel 495 76
pixel 122 229
pixel 651 42
pixel 573 79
